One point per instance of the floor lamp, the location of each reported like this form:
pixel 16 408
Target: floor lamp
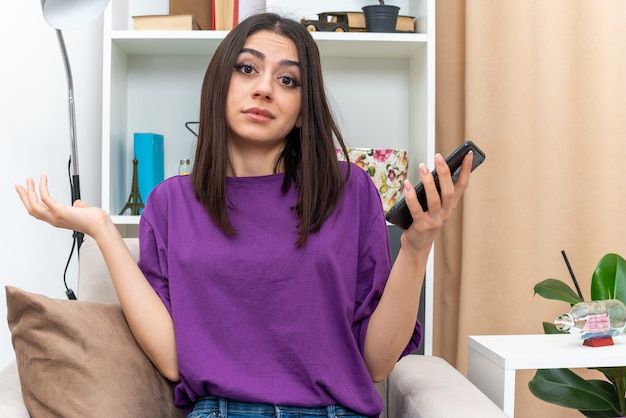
pixel 71 14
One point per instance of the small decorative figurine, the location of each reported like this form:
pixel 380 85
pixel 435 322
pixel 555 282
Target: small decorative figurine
pixel 134 203
pixel 597 322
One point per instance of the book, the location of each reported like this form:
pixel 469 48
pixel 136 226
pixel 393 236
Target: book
pixel 405 24
pixel 150 154
pixel 165 22
pixel 225 14
pixel 200 9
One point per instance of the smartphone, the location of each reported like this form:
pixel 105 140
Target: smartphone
pixel 399 213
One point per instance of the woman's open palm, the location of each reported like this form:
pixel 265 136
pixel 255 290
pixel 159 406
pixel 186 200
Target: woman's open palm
pixel 78 217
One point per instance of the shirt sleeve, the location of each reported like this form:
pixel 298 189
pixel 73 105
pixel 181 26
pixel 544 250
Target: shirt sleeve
pixel 373 272
pixel 152 260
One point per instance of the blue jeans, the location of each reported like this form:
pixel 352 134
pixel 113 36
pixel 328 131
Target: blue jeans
pixel 213 406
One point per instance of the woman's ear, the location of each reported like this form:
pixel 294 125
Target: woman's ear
pixel 299 121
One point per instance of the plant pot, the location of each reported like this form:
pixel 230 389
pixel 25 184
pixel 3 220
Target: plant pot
pixel 381 17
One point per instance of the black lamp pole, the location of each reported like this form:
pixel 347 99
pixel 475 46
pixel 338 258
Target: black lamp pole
pixel 74 177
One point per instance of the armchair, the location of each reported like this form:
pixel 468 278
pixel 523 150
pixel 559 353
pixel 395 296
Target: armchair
pixel 419 386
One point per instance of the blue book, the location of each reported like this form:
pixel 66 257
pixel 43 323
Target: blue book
pixel 149 152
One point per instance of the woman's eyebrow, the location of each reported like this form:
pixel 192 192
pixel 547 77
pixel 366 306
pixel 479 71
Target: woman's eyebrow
pixel 260 55
pixel 254 52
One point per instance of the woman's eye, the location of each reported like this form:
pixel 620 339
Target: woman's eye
pixel 289 81
pixel 244 68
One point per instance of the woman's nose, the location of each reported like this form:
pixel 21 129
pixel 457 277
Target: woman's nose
pixel 264 88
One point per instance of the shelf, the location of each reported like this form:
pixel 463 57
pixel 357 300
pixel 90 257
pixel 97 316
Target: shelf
pixel 125 219
pixel 370 45
pixel 380 87
pixel 331 44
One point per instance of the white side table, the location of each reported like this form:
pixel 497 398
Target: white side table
pixel 494 359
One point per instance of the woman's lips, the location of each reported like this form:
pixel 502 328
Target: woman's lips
pixel 259 115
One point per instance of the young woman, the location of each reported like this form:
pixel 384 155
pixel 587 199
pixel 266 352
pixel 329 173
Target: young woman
pixel 265 282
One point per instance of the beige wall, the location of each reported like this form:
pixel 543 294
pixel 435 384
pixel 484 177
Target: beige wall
pixel 540 86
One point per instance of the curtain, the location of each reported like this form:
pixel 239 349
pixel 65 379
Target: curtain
pixel 540 87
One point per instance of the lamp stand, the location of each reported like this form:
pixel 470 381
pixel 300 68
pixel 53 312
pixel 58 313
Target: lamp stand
pixel 74 177
pixel 69 14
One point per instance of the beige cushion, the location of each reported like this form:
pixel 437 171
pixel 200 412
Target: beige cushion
pixel 79 359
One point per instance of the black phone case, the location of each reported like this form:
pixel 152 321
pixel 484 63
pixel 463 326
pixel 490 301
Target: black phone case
pixel 399 214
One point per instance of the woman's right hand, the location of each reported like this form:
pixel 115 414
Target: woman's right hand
pixel 149 320
pixel 78 217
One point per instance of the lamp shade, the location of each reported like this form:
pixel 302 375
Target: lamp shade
pixel 71 14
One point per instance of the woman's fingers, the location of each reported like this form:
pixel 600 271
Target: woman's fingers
pixel 43 187
pixel 44 193
pixel 38 206
pixel 21 192
pixel 443 197
pixel 451 189
pixel 466 169
pixel 446 185
pixel 28 196
pixel 410 197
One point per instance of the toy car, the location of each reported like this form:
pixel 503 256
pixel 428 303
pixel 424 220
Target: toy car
pixel 323 25
pixel 351 22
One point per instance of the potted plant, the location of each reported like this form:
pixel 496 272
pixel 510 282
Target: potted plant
pixel 593 397
pixel 381 17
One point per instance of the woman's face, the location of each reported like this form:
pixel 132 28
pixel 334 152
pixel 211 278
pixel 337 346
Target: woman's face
pixel 265 92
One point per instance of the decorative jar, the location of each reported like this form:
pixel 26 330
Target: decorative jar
pixel 387 167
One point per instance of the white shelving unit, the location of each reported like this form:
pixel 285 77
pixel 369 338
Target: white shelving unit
pixel 381 87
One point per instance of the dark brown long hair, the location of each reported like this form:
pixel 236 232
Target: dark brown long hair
pixel 309 157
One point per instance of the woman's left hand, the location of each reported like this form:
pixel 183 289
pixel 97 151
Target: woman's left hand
pixel 418 238
pixel 393 322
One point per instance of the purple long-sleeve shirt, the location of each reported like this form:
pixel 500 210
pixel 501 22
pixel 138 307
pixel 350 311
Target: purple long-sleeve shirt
pixel 257 319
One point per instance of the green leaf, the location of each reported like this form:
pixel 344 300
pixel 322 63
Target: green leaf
pixel 600 414
pixel 617 377
pixel 556 289
pixel 614 372
pixel 609 391
pixel 609 278
pixel 605 387
pixel 565 388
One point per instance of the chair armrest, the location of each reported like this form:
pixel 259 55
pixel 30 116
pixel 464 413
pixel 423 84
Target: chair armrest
pixel 11 401
pixel 423 386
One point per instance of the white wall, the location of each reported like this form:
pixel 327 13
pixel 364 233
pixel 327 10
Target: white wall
pixel 35 139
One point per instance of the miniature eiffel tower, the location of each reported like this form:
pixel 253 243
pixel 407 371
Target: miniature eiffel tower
pixel 135 203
